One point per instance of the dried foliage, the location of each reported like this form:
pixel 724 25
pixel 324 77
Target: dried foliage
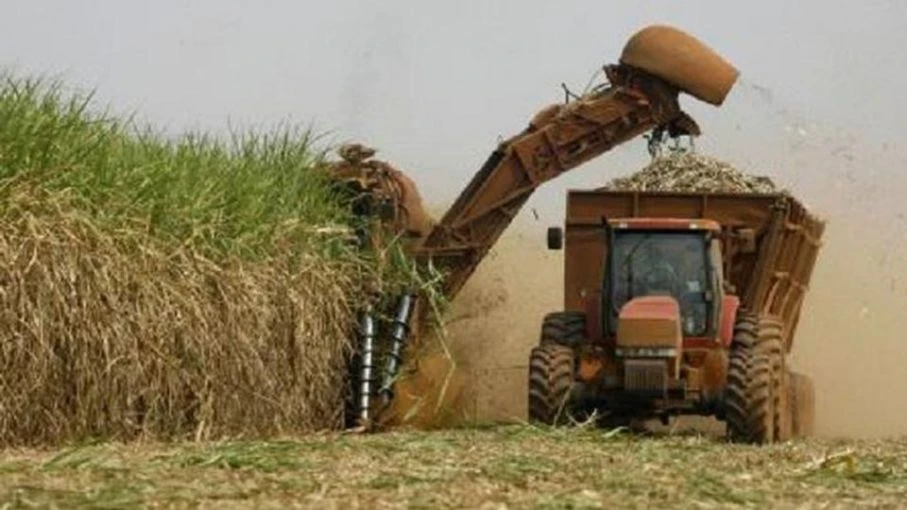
pixel 167 287
pixel 688 171
pixel 108 336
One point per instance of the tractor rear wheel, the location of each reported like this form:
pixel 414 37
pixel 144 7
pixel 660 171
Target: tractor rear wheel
pixel 784 410
pixel 803 405
pixel 551 381
pixel 754 405
pixel 564 328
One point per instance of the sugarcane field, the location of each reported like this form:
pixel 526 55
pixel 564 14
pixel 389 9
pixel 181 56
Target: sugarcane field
pixel 426 255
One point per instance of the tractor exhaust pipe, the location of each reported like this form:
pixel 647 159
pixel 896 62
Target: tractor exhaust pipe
pixel 367 334
pixel 399 331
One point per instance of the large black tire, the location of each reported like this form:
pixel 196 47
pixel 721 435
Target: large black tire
pixel 551 381
pixel 772 345
pixel 564 328
pixel 803 405
pixel 755 409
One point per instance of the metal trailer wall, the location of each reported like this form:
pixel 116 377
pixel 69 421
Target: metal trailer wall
pixel 774 278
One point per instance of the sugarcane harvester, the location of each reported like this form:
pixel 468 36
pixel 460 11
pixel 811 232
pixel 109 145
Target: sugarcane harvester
pixel 641 96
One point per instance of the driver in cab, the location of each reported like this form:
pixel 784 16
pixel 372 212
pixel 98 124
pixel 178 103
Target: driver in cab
pixel 676 268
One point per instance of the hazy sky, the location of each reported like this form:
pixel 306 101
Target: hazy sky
pixel 434 84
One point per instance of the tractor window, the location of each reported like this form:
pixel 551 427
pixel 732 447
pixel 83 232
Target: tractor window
pixel 646 263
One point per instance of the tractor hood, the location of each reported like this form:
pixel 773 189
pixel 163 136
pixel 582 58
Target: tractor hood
pixel 650 327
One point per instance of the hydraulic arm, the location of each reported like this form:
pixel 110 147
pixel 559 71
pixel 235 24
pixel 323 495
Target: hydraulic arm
pixel 559 138
pixel 656 65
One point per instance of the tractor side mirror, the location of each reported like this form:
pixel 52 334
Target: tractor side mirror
pixel 555 238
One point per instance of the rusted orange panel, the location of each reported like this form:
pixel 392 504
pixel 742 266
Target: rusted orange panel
pixel 592 305
pixel 729 307
pixel 584 264
pixel 778 249
pixel 651 307
pixel 650 332
pixel 791 268
pixel 651 322
pixel 680 58
pixel 729 209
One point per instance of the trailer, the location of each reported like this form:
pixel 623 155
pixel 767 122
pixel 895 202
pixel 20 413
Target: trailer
pixel 711 337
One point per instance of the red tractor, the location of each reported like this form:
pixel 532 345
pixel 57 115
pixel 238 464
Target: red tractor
pixel 679 303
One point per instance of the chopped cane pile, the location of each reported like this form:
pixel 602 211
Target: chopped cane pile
pixel 692 172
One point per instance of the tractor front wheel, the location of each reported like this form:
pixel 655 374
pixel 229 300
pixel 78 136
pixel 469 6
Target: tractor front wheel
pixel 551 382
pixel 564 328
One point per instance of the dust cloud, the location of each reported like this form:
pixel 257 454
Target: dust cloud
pixel 474 369
pixel 851 337
pixel 496 320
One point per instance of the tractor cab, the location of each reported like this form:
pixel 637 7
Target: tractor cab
pixel 662 294
pixel 673 262
pixel 677 303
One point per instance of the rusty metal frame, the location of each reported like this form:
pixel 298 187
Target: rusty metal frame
pixel 559 139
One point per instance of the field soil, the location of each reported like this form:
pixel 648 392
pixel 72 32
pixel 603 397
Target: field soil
pixel 489 468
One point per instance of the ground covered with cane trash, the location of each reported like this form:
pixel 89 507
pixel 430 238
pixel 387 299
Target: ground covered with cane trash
pixel 492 467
